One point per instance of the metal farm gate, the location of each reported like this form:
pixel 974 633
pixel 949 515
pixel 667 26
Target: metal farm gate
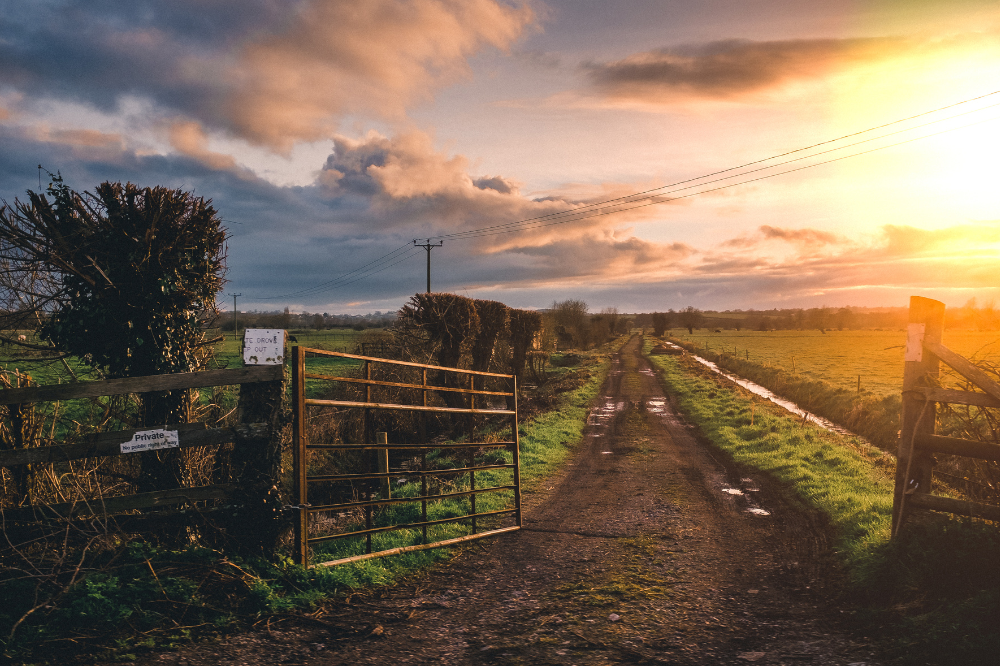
pixel 347 500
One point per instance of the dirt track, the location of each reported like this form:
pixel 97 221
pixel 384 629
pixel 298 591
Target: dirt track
pixel 642 551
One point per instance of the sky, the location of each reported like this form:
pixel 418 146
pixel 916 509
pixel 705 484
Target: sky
pixel 644 155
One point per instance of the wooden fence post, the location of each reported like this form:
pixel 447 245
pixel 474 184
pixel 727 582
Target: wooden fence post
pixel 383 463
pixel 913 469
pixel 257 461
pixel 300 432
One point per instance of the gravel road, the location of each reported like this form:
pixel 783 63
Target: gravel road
pixel 644 549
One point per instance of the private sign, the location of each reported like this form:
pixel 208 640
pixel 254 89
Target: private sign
pixel 263 346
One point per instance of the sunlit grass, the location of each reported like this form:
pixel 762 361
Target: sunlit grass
pixel 931 595
pixel 825 472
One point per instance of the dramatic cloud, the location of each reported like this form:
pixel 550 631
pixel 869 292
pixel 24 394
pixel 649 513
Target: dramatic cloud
pixel 190 139
pixel 741 69
pixel 898 240
pixel 270 72
pixel 803 238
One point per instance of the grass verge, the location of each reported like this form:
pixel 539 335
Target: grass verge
pixel 874 417
pixel 930 596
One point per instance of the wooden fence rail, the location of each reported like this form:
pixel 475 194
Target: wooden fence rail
pixel 254 439
pixel 917 439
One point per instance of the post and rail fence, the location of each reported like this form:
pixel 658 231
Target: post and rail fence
pixel 484 402
pixel 254 440
pixel 917 439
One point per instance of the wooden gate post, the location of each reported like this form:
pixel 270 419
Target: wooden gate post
pixel 257 461
pixel 300 548
pixel 913 469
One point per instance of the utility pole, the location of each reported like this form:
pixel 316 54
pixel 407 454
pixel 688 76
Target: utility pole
pixel 428 246
pixel 236 327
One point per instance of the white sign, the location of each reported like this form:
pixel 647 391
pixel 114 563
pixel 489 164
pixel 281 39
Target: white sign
pixel 151 440
pixel 263 346
pixel 915 342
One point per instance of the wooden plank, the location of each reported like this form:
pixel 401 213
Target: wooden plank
pixel 956 397
pixel 110 505
pixel 109 443
pixel 957 447
pixel 405 408
pixel 965 368
pixel 180 380
pixel 323 352
pixel 410 549
pixel 98 445
pixel 419 387
pixel 950 505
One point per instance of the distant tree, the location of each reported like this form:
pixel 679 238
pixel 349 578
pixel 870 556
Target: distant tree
pixel 449 321
pixel 843 319
pixel 691 318
pixel 318 322
pixel 494 318
pixel 661 321
pixel 571 323
pixel 524 326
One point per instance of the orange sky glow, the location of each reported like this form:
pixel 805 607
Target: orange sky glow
pixel 331 134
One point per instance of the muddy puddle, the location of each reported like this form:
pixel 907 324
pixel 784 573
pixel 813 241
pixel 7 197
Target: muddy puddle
pixel 757 389
pixel 745 494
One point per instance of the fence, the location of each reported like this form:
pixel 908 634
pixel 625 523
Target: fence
pixel 448 391
pixel 254 440
pixel 917 441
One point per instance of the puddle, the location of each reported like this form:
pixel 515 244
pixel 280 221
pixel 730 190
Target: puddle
pixel 743 496
pixel 656 406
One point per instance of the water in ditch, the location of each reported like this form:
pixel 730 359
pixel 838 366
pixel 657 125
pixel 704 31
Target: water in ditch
pixel 757 389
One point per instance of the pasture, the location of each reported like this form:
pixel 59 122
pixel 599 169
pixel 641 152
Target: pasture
pixel 839 357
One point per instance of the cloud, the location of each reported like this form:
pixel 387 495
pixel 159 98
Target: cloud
pixel 81 143
pixel 738 70
pixel 412 188
pixel 901 240
pixel 269 72
pixel 802 238
pixel 188 138
pixel 497 184
pixel 897 257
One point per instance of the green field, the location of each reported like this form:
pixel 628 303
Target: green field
pixel 839 357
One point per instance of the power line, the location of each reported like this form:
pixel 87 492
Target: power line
pixel 643 203
pixel 330 284
pixel 640 195
pixel 648 198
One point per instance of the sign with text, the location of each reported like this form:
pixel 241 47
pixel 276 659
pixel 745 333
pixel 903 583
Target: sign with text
pixel 263 346
pixel 151 440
